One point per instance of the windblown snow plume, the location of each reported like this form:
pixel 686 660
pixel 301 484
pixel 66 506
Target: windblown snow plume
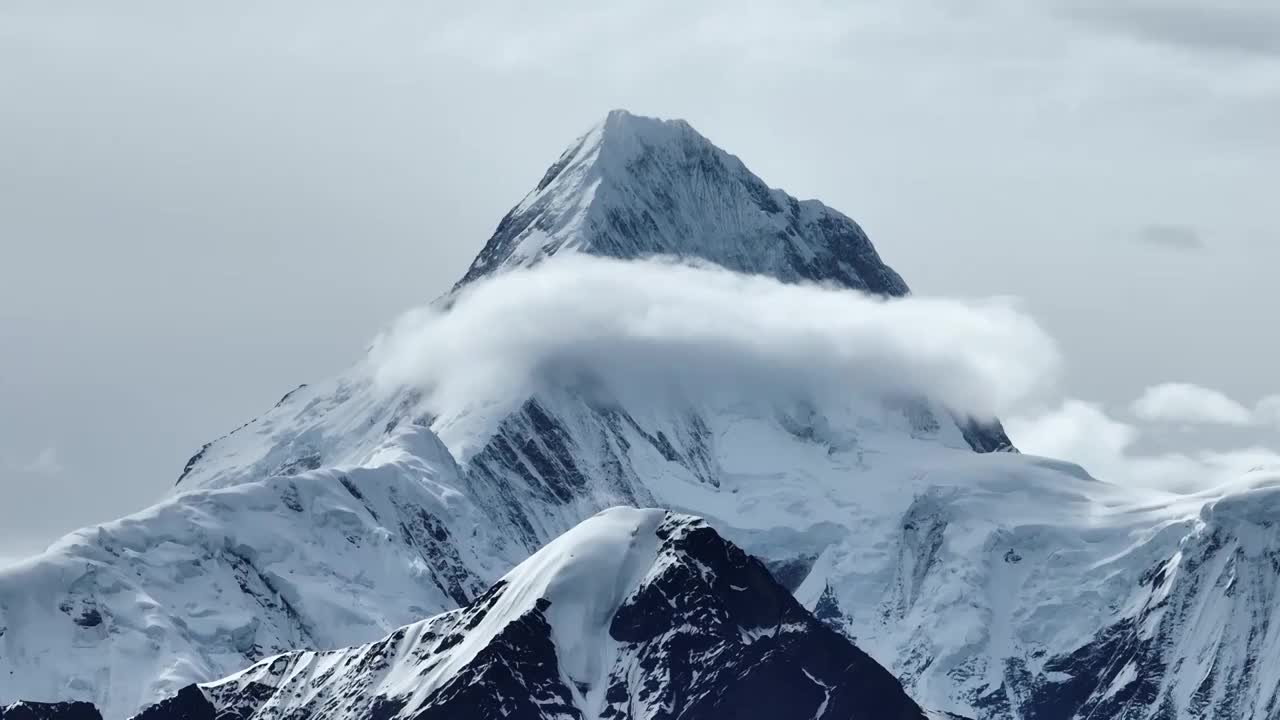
pixel 655 326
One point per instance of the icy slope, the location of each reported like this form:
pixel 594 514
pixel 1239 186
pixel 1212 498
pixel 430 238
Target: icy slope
pixel 631 614
pixel 205 583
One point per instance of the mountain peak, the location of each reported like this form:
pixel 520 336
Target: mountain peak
pixel 624 135
pixel 636 186
pixel 619 122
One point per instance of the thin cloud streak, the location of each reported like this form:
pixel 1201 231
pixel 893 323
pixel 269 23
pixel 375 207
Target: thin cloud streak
pixel 1171 237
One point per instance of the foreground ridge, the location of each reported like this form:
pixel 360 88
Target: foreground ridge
pixel 632 614
pixel 49 711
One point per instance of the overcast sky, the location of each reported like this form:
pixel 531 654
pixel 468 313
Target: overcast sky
pixel 204 205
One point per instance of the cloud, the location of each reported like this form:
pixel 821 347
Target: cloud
pixel 638 328
pixel 1245 27
pixel 1077 431
pixel 1192 404
pixel 44 463
pixel 1086 434
pixel 1173 237
pixel 1268 411
pixel 1195 405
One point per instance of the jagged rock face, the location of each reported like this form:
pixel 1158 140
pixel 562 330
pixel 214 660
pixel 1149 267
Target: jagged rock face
pixel 739 643
pixel 1202 641
pixel 50 711
pixel 636 186
pixel 667 620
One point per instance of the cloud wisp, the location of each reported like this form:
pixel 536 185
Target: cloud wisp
pixel 1107 447
pixel 638 328
pixel 1189 404
pixel 45 463
pixel 1268 411
pixel 1171 237
pixel 1244 27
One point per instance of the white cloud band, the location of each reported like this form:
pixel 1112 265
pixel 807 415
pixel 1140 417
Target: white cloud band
pixel 644 325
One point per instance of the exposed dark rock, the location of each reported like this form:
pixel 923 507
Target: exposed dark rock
pixel 50 711
pixel 791 572
pixel 708 634
pixel 189 704
pixel 89 618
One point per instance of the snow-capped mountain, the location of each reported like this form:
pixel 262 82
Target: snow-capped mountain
pixel 631 614
pixel 635 186
pixel 995 585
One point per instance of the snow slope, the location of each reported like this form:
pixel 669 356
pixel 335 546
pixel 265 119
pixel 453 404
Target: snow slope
pixel 200 585
pixel 631 614
pixel 995 585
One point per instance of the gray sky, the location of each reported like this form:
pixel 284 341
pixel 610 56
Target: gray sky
pixel 203 205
